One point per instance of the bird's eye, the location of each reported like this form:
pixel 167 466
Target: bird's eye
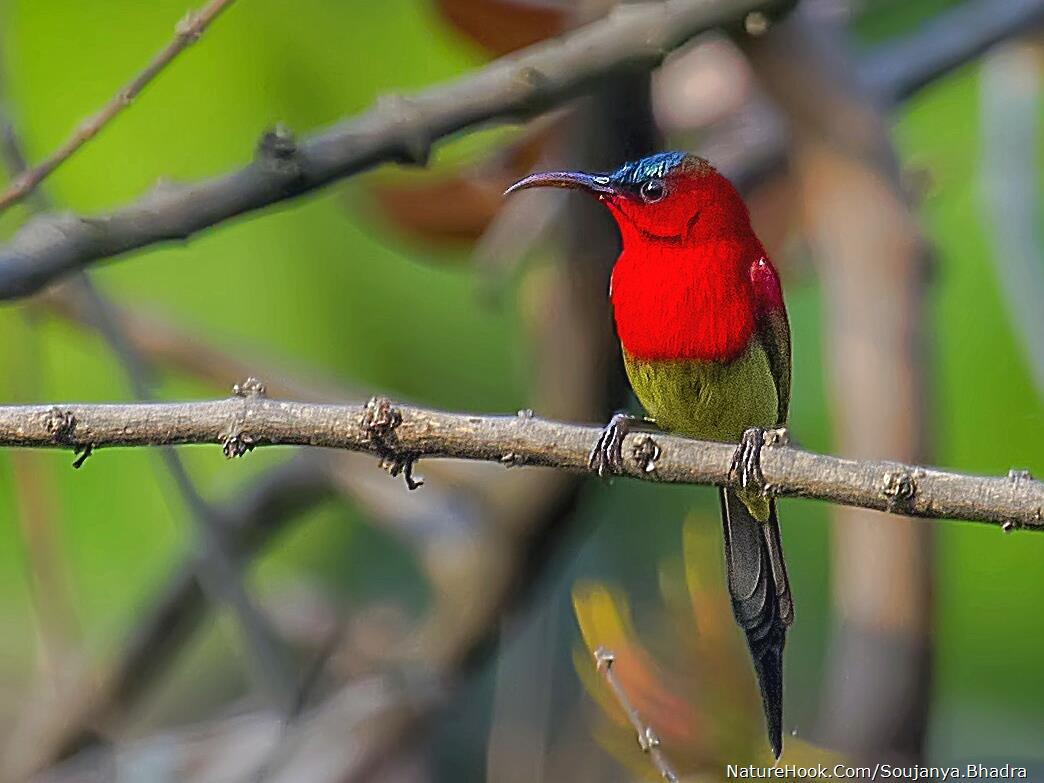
pixel 653 190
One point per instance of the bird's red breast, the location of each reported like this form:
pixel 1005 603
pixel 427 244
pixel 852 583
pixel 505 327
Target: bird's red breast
pixel 687 285
pixel 685 302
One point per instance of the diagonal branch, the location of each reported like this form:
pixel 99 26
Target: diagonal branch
pixel 899 68
pixel 401 435
pixel 187 32
pixel 647 737
pixel 398 129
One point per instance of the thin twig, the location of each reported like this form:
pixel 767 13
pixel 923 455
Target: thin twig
pixel 647 738
pixel 186 32
pixel 400 435
pixel 398 129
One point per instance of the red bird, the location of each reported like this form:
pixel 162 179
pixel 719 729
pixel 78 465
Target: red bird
pixel 706 344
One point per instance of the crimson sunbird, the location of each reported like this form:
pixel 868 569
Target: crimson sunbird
pixel 706 344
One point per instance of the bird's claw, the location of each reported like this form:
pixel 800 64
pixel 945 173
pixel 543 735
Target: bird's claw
pixel 746 462
pixel 607 456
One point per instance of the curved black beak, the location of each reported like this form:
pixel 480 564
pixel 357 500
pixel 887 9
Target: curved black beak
pixel 574 180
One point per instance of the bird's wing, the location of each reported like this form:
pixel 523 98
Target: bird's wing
pixel 773 329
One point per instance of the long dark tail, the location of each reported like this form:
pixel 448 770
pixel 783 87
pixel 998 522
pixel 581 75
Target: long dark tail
pixel 761 600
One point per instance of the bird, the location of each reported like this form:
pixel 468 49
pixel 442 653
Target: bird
pixel 703 329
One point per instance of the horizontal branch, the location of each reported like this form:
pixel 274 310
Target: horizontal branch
pixel 399 129
pixel 402 434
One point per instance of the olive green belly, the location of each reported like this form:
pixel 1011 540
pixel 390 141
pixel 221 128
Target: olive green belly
pixel 707 400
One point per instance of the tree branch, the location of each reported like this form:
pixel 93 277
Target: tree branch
pixel 1010 89
pixel 403 129
pixel 401 435
pixel 186 32
pixel 398 129
pixel 755 142
pixel 647 738
pixel 897 69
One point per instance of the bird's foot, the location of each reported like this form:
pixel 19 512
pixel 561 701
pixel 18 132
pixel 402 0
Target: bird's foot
pixel 607 456
pixel 746 462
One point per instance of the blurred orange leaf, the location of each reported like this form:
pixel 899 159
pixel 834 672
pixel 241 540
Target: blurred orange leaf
pixel 502 26
pixel 703 701
pixel 604 619
pixel 455 206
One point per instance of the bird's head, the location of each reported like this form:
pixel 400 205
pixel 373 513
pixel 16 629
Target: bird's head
pixel 670 197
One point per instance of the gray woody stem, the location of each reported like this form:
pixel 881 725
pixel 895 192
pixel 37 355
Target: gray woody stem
pixel 402 434
pixel 647 739
pixel 398 129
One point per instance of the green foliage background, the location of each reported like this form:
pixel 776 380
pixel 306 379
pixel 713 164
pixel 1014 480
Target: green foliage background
pixel 323 282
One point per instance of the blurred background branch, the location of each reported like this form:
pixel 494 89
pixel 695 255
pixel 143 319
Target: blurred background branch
pixel 400 129
pixel 1010 96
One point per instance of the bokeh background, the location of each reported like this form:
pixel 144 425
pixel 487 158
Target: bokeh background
pixel 391 282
